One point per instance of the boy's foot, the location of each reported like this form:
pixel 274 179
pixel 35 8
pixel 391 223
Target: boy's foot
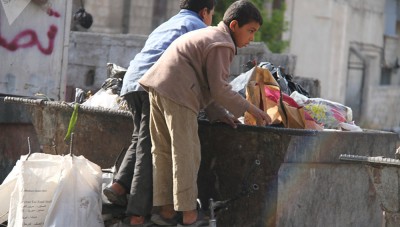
pixel 135 221
pixel 114 196
pixel 166 216
pixel 161 221
pixel 195 219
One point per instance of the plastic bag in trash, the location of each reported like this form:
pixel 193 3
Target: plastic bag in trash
pixel 104 98
pixel 285 81
pixel 115 71
pixel 325 112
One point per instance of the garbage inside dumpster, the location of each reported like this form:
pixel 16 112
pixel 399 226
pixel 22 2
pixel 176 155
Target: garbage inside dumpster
pixel 286 82
pixel 327 113
pixel 288 104
pixel 263 90
pixel 103 98
pixel 108 95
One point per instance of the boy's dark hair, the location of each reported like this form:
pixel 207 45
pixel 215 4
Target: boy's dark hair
pixel 243 12
pixel 197 5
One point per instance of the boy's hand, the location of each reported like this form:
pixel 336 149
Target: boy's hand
pixel 230 120
pixel 261 117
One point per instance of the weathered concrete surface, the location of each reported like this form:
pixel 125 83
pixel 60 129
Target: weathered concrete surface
pixel 317 189
pixel 313 194
pixel 327 146
pixel 90 52
pixel 300 180
pixel 322 194
pixel 386 180
pixel 33 50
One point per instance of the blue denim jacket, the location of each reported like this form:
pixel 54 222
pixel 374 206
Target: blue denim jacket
pixel 156 44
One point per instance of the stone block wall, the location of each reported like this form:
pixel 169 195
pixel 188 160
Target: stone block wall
pixel 89 54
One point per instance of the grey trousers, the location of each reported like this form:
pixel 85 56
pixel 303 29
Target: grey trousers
pixel 135 172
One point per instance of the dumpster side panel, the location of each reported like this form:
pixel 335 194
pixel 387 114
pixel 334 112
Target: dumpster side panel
pixel 327 146
pixel 99 137
pixel 14 143
pixel 327 195
pixel 241 165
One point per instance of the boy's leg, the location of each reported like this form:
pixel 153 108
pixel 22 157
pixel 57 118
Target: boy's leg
pixel 183 130
pixel 125 172
pixel 186 157
pixel 161 151
pixel 141 193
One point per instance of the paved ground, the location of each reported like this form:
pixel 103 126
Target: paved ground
pixel 113 215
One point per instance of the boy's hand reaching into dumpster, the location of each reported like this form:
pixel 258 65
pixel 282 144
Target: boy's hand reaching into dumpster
pixel 261 117
pixel 230 120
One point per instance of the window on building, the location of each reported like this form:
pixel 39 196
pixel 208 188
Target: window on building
pixel 386 75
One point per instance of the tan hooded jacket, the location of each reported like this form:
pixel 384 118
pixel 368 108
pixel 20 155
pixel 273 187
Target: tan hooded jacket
pixel 194 72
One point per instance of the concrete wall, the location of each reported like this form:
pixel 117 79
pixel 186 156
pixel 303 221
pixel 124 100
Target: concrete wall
pixel 126 16
pixel 32 60
pixel 32 50
pixel 383 109
pixel 89 54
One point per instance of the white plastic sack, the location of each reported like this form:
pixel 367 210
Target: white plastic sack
pixel 5 192
pixel 52 190
pixel 32 195
pixel 9 184
pixel 77 200
pixel 103 98
pixel 6 188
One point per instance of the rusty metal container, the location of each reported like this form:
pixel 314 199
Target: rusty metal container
pixel 239 166
pixel 100 134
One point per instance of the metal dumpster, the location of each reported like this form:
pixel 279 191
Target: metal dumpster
pixel 100 134
pixel 261 172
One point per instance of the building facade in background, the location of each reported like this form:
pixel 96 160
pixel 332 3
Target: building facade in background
pixel 352 47
pixel 139 17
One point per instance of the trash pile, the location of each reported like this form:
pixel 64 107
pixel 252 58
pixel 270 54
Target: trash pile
pixel 288 103
pixel 108 96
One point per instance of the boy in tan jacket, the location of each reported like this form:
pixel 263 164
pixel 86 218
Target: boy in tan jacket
pixel 191 75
